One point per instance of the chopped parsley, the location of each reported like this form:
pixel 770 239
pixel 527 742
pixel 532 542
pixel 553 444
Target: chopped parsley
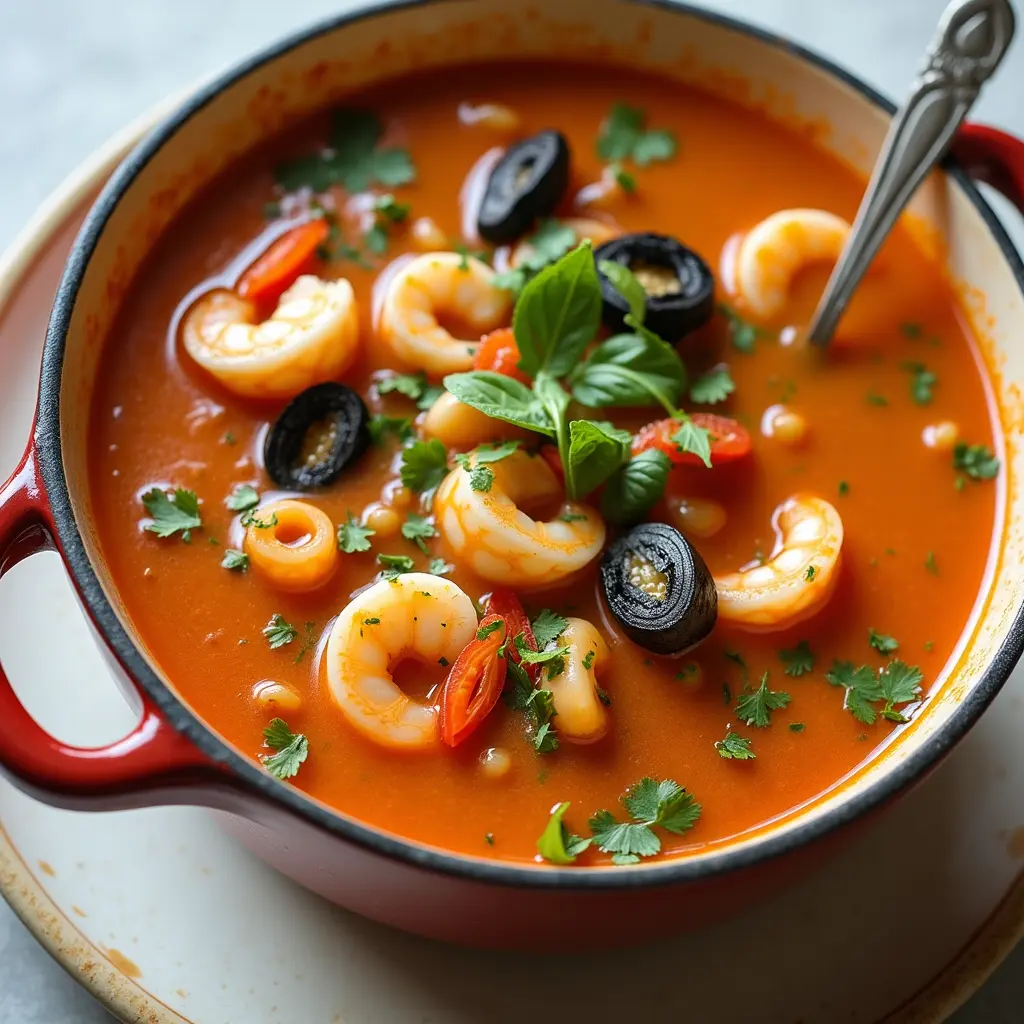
pixel 290 749
pixel 353 536
pixel 976 460
pixel 557 845
pixel 900 683
pixel 810 574
pixel 439 567
pixel 714 386
pixel 930 564
pixel 481 476
pixel 485 631
pixel 844 488
pixel 249 518
pixel 735 748
pixel 756 707
pixel 279 632
pixel 353 160
pixel 650 804
pixel 911 330
pixel 882 643
pixel 538 705
pixel 554 659
pixel 419 530
pixel 797 726
pixel 873 398
pixel 383 427
pixel 625 136
pixel 897 683
pixel 171 515
pixel 412 385
pixel 550 242
pixel 922 381
pixel 742 333
pixel 235 560
pixel 424 465
pixel 548 627
pixel 394 565
pixel 588 660
pixel 242 498
pixel 308 641
pixel 797 661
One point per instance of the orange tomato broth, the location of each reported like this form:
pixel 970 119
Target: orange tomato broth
pixel 157 419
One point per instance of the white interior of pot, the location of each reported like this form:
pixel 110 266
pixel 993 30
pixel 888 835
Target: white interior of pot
pixel 679 45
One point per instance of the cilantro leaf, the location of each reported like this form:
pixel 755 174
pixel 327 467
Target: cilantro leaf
pixel 390 209
pixel 624 136
pixel 714 386
pixel 743 334
pixel 557 844
pixel 735 748
pixel 976 460
pixel 180 512
pixel 412 385
pixel 882 643
pixel 439 567
pixel 353 160
pixel 554 658
pixel 862 689
pixel 424 465
pixel 381 427
pixel 235 560
pixel 650 804
pixel 756 708
pixel 279 632
pixel 292 748
pixel 797 661
pixel 394 565
pixel 353 536
pixel 623 837
pixel 538 705
pixel 899 682
pixel 550 242
pixel 242 498
pixel 548 627
pixel 691 438
pixel 922 381
pixel 419 530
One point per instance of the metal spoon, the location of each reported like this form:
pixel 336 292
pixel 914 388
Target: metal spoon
pixel 972 38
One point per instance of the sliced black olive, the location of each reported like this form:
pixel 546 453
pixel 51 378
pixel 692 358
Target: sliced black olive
pixel 526 183
pixel 679 284
pixel 321 432
pixel 659 589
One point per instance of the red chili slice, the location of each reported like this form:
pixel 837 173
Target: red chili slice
pixel 499 353
pixel 277 269
pixel 474 682
pixel 505 603
pixel 549 453
pixel 729 440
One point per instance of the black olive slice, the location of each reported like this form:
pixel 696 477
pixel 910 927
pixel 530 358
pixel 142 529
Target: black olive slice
pixel 526 183
pixel 321 432
pixel 679 284
pixel 659 590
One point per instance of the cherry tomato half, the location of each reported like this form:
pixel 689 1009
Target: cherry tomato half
pixel 474 682
pixel 499 353
pixel 729 440
pixel 277 269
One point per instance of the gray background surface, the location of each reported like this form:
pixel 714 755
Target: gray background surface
pixel 73 71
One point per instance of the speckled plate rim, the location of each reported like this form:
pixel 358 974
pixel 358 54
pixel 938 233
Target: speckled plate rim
pixel 982 953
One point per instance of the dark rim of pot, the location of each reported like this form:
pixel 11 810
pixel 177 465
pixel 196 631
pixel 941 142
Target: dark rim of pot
pixel 674 870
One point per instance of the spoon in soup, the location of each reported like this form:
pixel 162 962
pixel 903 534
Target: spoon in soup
pixel 972 37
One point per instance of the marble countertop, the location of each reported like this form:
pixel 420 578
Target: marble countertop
pixel 72 72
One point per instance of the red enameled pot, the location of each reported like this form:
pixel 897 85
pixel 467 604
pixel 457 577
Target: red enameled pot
pixel 172 757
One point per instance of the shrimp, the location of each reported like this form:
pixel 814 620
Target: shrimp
pixel 441 284
pixel 774 250
pixel 798 579
pixel 499 541
pixel 312 336
pixel 582 717
pixel 414 615
pixel 598 231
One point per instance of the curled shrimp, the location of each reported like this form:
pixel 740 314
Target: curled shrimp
pixel 774 250
pixel 433 286
pixel 582 717
pixel 798 578
pixel 598 231
pixel 489 532
pixel 414 615
pixel 312 336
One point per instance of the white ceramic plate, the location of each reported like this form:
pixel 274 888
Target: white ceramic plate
pixel 164 919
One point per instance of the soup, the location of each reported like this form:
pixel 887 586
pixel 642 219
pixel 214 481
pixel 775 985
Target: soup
pixel 488 594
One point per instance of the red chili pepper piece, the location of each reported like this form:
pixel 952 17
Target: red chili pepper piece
pixel 505 603
pixel 474 682
pixel 277 269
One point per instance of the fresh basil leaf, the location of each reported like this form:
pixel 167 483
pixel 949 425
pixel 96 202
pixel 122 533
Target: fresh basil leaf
pixel 626 284
pixel 630 369
pixel 691 438
pixel 558 314
pixel 595 452
pixel 636 488
pixel 501 398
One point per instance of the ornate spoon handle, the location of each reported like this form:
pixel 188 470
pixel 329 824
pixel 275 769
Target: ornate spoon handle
pixel 972 38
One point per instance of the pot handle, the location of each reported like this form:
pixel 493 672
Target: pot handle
pixel 994 157
pixel 148 766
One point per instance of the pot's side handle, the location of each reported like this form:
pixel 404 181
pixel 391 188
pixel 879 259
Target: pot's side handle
pixel 153 764
pixel 994 157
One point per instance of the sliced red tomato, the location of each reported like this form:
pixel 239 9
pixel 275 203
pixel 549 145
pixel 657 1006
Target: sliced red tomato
pixel 504 603
pixel 474 682
pixel 729 440
pixel 277 269
pixel 549 453
pixel 499 353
